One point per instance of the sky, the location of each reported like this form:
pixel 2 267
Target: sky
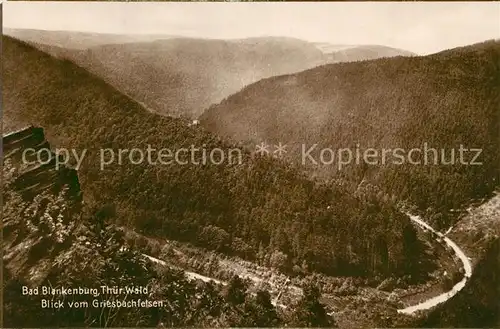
pixel 421 27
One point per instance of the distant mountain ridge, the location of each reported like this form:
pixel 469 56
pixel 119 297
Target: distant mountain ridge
pixel 352 53
pixel 78 40
pixel 183 76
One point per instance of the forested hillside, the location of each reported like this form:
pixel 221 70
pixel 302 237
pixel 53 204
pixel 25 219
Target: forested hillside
pixel 446 100
pixel 261 204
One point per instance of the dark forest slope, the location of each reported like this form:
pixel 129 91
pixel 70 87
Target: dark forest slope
pixel 233 208
pixel 445 100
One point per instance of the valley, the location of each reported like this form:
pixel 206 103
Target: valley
pixel 267 241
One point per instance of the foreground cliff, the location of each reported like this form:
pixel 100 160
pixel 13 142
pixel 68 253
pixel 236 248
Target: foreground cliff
pixel 37 165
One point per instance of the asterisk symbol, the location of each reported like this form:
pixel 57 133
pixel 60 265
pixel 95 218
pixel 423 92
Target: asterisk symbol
pixel 262 149
pixel 280 149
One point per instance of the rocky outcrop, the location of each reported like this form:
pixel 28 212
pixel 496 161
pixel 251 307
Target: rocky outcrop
pixel 38 169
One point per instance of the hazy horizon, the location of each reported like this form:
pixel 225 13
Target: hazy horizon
pixel 422 28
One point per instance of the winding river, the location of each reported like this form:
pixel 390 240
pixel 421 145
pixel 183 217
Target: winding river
pixel 425 305
pixel 467 266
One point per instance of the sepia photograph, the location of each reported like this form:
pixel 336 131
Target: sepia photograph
pixel 269 165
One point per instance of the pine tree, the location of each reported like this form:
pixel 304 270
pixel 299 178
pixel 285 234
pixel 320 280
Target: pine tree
pixel 309 312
